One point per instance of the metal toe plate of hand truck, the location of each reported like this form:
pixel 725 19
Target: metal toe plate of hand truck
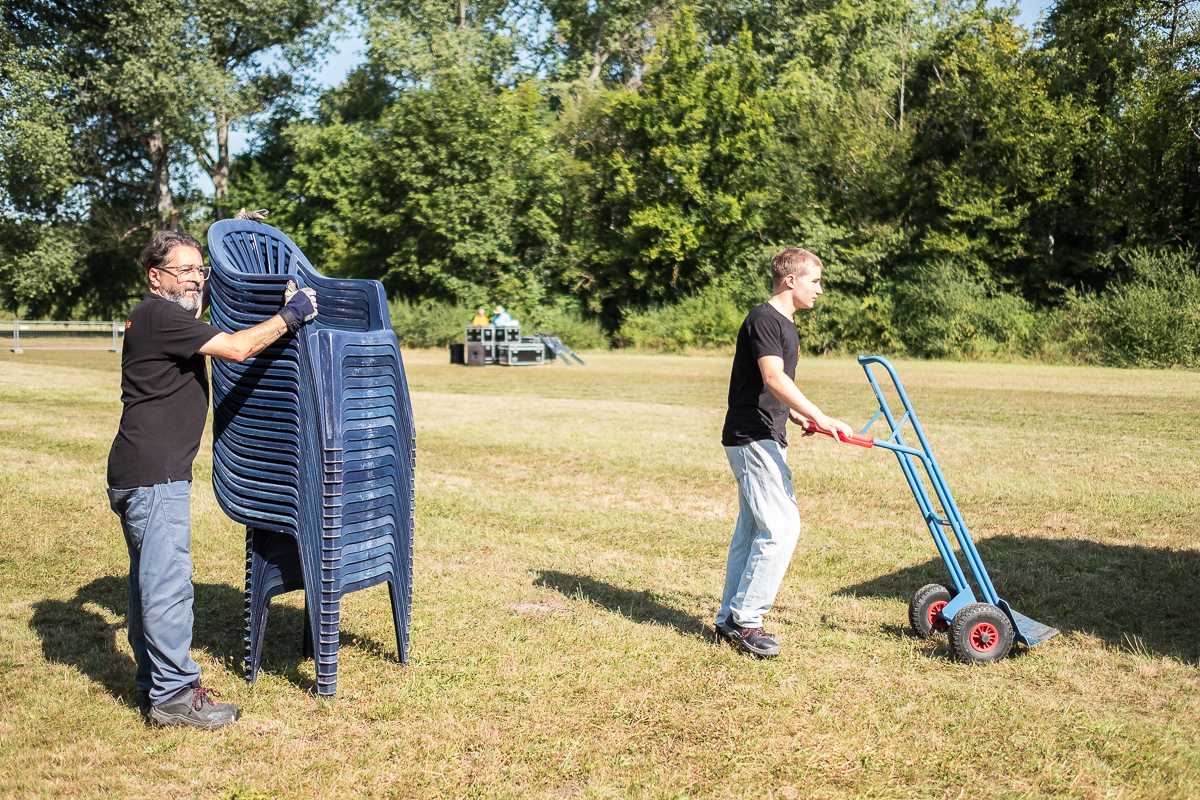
pixel 1029 631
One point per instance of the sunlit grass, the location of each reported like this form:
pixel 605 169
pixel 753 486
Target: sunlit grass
pixel 572 524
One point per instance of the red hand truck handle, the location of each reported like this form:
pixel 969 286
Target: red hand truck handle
pixel 854 438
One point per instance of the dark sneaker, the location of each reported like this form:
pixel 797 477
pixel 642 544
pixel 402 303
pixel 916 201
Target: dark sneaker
pixel 756 642
pixel 194 706
pixel 733 632
pixel 143 702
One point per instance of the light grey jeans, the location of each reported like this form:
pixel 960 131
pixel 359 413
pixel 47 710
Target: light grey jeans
pixel 764 538
pixel 157 522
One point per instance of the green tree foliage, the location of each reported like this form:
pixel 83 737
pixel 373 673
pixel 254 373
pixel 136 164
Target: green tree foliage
pixel 972 187
pixel 104 105
pixel 673 175
pixel 605 40
pixel 451 189
pixel 410 41
pixel 993 148
pixel 1133 66
pixel 842 92
pixel 118 86
pixel 478 195
pixel 241 83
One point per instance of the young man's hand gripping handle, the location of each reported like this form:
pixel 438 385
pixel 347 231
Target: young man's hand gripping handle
pixel 299 307
pixel 800 407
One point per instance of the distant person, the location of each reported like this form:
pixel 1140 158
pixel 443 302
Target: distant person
pixel 164 392
pixel 502 317
pixel 481 318
pixel 762 397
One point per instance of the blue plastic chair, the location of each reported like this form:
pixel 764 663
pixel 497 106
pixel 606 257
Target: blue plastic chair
pixel 314 444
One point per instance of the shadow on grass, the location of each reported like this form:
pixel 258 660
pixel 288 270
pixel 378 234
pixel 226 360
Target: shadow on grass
pixel 1135 597
pixel 639 606
pixel 73 633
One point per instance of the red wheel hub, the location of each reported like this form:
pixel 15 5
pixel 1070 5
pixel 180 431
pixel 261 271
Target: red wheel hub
pixel 984 637
pixel 934 622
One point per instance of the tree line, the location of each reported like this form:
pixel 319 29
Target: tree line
pixel 612 158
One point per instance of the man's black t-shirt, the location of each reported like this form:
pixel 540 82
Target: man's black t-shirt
pixel 164 388
pixel 754 413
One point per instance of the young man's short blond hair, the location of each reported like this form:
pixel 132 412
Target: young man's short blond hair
pixel 792 261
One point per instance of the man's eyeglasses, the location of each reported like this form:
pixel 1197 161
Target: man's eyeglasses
pixel 191 272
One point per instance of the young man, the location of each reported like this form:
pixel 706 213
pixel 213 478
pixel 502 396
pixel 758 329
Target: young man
pixel 164 390
pixel 762 397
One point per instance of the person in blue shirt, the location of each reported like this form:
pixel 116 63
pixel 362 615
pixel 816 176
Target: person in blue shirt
pixel 502 317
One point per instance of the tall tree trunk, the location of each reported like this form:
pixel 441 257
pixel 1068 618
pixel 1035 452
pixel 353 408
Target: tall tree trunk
pixel 220 171
pixel 596 60
pixel 462 13
pixel 906 39
pixel 160 189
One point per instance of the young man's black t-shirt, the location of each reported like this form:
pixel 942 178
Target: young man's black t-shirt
pixel 754 413
pixel 164 388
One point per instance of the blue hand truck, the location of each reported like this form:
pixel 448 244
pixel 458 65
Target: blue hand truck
pixel 979 631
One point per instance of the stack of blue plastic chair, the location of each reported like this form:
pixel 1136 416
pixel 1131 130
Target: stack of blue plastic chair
pixel 313 443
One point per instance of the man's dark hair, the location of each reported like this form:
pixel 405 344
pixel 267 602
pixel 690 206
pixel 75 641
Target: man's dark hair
pixel 158 252
pixel 792 261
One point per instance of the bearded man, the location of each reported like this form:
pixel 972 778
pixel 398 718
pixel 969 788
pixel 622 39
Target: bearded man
pixel 164 391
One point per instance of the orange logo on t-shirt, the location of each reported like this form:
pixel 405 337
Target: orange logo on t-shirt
pixel 128 324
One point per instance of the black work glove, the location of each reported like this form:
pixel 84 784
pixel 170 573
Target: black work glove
pixel 299 306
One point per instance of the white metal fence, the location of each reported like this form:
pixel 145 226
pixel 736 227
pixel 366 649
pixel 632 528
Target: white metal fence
pixel 30 334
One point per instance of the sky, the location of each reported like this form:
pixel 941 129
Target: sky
pixel 350 50
pixel 1030 10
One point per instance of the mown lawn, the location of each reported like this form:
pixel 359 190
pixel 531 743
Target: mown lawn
pixel 571 533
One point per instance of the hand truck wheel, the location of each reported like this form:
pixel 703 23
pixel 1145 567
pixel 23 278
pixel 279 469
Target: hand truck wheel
pixel 981 633
pixel 924 608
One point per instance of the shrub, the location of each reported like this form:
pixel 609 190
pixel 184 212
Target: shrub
pixel 708 319
pixel 843 323
pixel 568 324
pixel 428 323
pixel 1150 320
pixel 940 311
pixel 1070 334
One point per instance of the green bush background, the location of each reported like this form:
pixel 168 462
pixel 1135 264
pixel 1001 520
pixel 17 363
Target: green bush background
pixel 1149 319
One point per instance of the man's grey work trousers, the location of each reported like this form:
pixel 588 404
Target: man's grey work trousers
pixel 157 522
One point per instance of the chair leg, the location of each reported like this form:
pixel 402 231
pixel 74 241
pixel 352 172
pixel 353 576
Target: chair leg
pixel 400 620
pixel 272 568
pixel 249 662
pixel 306 649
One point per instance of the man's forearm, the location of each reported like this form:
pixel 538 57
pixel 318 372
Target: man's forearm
pixel 245 343
pixel 787 392
pixel 261 335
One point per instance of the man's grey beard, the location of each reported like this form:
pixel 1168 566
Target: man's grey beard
pixel 178 296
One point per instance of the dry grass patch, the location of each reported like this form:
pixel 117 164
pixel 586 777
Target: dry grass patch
pixel 572 526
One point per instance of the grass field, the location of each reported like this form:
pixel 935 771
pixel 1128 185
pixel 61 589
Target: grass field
pixel 571 533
